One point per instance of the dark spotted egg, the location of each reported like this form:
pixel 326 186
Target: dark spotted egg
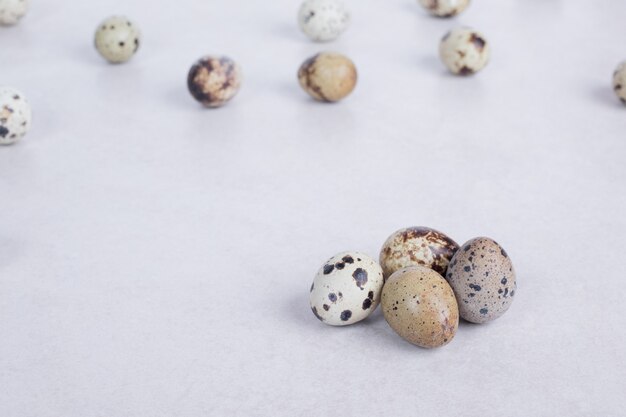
pixel 417 246
pixel 328 77
pixel 346 289
pixel 15 115
pixel 483 279
pixel 117 39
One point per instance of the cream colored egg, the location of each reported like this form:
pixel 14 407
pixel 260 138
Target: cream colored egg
pixel 11 11
pixel 15 115
pixel 346 289
pixel 619 82
pixel 464 51
pixel 445 8
pixel 117 39
pixel 328 76
pixel 323 20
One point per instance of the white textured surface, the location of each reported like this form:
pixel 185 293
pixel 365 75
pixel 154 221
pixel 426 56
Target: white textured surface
pixel 156 257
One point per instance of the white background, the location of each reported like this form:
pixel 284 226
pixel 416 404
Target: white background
pixel 156 257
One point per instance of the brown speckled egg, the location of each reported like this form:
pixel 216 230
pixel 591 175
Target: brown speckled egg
pixel 214 80
pixel 483 279
pixel 328 77
pixel 420 306
pixel 464 51
pixel 417 246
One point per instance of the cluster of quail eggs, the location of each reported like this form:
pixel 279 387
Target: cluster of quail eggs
pixel 326 76
pixel 424 282
pixel 214 80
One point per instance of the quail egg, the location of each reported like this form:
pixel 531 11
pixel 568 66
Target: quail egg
pixel 11 11
pixel 328 77
pixel 420 306
pixel 445 8
pixel 483 279
pixel 15 115
pixel 117 39
pixel 417 246
pixel 214 80
pixel 346 289
pixel 464 51
pixel 323 20
pixel 619 82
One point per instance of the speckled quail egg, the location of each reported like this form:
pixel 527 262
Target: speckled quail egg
pixel 11 11
pixel 323 20
pixel 420 306
pixel 619 82
pixel 15 115
pixel 445 8
pixel 328 77
pixel 117 39
pixel 482 277
pixel 464 51
pixel 346 289
pixel 417 246
pixel 214 80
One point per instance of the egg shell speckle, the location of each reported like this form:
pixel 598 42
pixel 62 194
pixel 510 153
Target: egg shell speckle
pixel 619 82
pixel 117 39
pixel 464 51
pixel 214 80
pixel 323 20
pixel 417 246
pixel 11 11
pixel 346 289
pixel 420 306
pixel 328 77
pixel 483 279
pixel 445 8
pixel 15 115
